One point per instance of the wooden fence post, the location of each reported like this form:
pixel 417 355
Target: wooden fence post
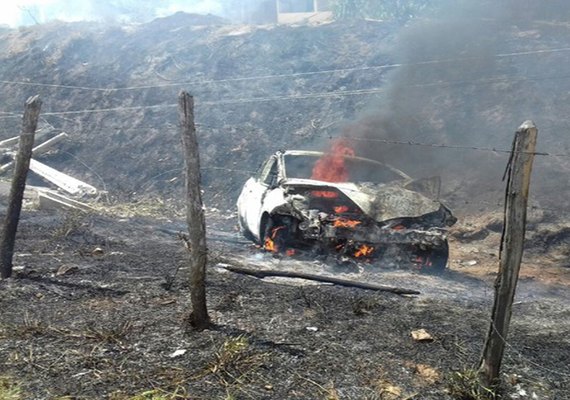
pixel 199 318
pixel 30 123
pixel 516 198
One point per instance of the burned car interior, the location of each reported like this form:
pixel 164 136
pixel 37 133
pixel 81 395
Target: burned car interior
pixel 338 205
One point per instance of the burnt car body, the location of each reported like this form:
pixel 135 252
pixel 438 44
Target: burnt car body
pixel 369 210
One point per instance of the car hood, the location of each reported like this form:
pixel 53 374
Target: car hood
pixel 379 201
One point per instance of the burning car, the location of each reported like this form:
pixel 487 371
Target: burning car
pixel 338 203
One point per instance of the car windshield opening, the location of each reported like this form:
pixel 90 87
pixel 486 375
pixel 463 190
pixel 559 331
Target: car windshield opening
pixel 337 169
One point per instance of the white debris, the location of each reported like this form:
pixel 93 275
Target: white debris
pixel 178 353
pixel 520 392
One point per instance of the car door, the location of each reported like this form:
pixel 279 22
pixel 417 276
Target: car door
pixel 254 192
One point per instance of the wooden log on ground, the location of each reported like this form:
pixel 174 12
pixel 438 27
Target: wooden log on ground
pixel 317 278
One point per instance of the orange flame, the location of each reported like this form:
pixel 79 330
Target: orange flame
pixel 345 223
pixel 331 167
pixel 340 209
pixel 269 243
pixel 423 261
pixel 326 194
pixel 364 251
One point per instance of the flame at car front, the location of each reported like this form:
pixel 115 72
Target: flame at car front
pixel 341 222
pixel 270 242
pixel 364 251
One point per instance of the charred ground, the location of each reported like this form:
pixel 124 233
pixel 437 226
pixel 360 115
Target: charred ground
pixel 98 306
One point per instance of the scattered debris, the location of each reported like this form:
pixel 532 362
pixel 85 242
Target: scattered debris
pixel 51 200
pixel 430 374
pixel 65 182
pixel 421 335
pixel 66 269
pixel 178 353
pixel 468 263
pixel 389 391
pixel 97 251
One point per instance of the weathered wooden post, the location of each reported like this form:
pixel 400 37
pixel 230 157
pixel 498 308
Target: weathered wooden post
pixel 516 198
pixel 199 318
pixel 30 123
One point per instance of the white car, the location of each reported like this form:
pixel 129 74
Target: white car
pixel 336 203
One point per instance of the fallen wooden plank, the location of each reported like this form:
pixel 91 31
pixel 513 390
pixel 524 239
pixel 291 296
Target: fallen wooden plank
pixel 318 278
pixel 50 200
pixel 13 141
pixel 42 148
pixel 63 181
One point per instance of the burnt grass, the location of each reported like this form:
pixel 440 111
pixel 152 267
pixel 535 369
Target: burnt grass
pixel 99 305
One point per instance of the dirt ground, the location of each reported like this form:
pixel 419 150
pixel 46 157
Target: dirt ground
pixel 98 310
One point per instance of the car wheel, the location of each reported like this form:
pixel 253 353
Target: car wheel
pixel 244 231
pixel 433 260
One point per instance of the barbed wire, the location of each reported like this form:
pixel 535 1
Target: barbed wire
pixel 208 103
pixel 401 142
pixel 288 75
pixel 523 357
pixel 335 93
pixel 446 146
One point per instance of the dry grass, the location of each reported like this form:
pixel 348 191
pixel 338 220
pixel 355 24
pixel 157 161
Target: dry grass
pixel 235 364
pixel 30 327
pixel 9 390
pixel 113 335
pixel 151 207
pixel 465 385
pixel 153 394
pixel 73 222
